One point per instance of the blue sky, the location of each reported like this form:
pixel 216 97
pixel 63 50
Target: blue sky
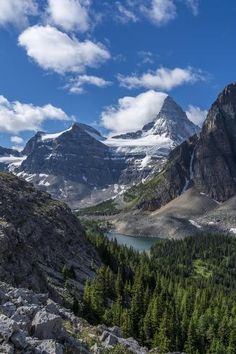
pixel 64 60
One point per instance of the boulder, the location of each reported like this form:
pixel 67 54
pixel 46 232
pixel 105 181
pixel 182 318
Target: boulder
pixel 46 325
pixel 29 310
pixel 52 307
pixel 23 321
pixel 32 342
pixel 8 308
pixel 3 297
pixel 132 345
pixel 75 346
pixel 104 336
pixel 7 328
pixel 110 341
pixel 6 349
pixel 116 331
pixel 49 347
pixel 19 339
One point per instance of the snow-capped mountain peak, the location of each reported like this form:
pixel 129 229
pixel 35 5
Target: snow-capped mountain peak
pixel 170 127
pixel 171 122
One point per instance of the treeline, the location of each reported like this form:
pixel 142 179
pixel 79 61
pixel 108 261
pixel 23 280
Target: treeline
pixel 181 297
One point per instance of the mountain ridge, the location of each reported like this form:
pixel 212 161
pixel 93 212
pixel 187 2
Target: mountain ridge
pixel 80 166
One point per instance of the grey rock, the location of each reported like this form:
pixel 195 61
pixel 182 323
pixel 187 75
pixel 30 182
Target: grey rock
pixel 50 235
pixel 3 297
pixel 27 310
pixel 96 349
pixel 32 342
pixel 46 325
pixel 116 331
pixel 132 345
pixel 110 341
pixel 42 298
pixel 75 346
pixel 49 347
pixel 7 328
pixel 101 328
pixel 19 339
pixel 6 349
pixel 23 316
pixel 104 336
pixel 52 307
pixel 8 309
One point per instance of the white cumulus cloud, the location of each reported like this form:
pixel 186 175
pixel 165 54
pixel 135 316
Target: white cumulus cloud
pixel 17 139
pixel 16 116
pixel 55 50
pixel 76 85
pixel 132 113
pixel 196 115
pixel 161 79
pixel 69 14
pixel 16 12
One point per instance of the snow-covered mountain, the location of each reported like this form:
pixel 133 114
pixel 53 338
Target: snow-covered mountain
pixel 146 149
pixel 81 166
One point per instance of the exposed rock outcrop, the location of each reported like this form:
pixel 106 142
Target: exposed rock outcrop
pixel 39 237
pixel 206 161
pixel 52 329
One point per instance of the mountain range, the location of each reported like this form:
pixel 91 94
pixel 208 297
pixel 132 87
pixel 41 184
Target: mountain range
pixel 195 191
pixel 169 179
pixel 45 248
pixel 82 167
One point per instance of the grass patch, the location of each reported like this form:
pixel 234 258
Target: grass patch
pixel 144 191
pixel 108 207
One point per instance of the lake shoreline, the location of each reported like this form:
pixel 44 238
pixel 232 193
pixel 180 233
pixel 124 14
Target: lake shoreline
pixel 139 243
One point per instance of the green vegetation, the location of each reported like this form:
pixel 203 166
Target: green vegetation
pixel 143 191
pixel 68 272
pixel 108 207
pixel 5 176
pixel 202 268
pixel 89 336
pixel 180 298
pixel 95 227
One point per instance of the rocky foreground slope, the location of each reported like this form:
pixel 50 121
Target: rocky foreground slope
pixel 41 241
pixel 32 323
pixel 45 259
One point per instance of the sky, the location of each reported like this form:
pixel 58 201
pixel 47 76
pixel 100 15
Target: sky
pixel 110 63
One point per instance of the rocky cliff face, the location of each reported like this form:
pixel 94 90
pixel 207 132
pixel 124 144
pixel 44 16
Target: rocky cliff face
pixel 74 154
pixel 206 161
pixel 39 237
pixel 70 164
pixel 215 153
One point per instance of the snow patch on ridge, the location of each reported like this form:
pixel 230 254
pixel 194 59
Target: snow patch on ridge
pixel 54 135
pixel 194 223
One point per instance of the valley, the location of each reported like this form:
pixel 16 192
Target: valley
pixel 115 283
pixel 117 177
